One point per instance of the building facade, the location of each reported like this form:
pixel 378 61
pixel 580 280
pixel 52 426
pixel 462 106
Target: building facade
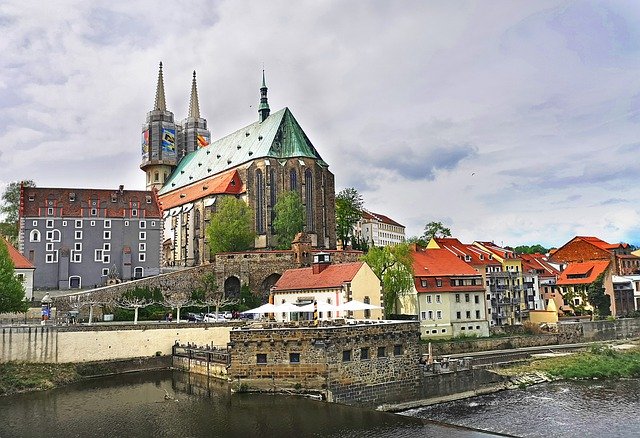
pixel 257 164
pixel 377 229
pixel 80 238
pixel 448 296
pixel 333 284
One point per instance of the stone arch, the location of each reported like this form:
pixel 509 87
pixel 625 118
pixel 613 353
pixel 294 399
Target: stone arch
pixel 232 287
pixel 267 283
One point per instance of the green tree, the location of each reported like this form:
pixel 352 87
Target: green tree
pixel 435 229
pixel 418 240
pixel 533 249
pixel 597 297
pixel 289 218
pixel 11 288
pixel 10 209
pixel 394 267
pixel 231 227
pixel 348 211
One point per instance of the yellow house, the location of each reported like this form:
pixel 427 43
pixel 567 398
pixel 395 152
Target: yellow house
pixel 548 316
pixel 333 284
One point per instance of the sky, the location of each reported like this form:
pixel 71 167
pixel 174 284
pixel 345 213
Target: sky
pixel 516 122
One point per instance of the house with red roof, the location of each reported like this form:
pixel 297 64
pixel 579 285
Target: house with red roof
pixel 586 259
pixel 539 278
pixel 23 269
pixel 334 284
pixel 379 230
pixel 448 295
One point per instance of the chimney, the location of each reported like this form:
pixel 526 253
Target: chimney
pixel 321 261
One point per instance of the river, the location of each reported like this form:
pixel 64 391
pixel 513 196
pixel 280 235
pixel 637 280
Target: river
pixel 134 405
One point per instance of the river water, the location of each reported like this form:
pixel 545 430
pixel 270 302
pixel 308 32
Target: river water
pixel 559 409
pixel 134 405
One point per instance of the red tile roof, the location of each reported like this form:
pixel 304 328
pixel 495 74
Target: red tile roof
pixel 368 215
pixel 538 262
pixel 225 183
pixel 432 262
pixel 475 255
pixel 331 277
pixel 19 261
pixel 66 202
pixel 582 272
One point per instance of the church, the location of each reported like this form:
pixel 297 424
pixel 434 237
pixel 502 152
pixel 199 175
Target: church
pixel 257 163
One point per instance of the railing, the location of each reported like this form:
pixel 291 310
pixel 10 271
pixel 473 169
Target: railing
pixel 208 354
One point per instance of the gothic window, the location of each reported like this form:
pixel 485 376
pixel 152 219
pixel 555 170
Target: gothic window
pixel 308 187
pixel 293 180
pixel 259 202
pixel 272 196
pixel 196 219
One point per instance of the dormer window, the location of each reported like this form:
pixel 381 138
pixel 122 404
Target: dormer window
pixel 114 197
pixel 148 199
pixel 72 197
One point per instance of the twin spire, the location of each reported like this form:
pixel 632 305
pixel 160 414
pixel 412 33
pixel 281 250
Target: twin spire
pixel 194 105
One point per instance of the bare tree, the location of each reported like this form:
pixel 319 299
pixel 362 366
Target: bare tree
pixel 211 296
pixel 133 299
pixel 176 293
pixel 79 301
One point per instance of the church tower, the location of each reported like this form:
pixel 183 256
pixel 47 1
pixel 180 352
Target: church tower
pixel 192 132
pixel 159 155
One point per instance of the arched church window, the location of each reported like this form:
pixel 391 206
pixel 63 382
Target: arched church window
pixel 308 189
pixel 272 196
pixel 156 177
pixel 293 180
pixel 259 202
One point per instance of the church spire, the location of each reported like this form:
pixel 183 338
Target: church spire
pixel 263 109
pixel 160 104
pixel 194 105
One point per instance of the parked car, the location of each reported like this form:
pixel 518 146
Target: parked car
pixel 194 317
pixel 212 317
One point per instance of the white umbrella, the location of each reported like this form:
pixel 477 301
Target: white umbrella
pixel 287 308
pixel 322 307
pixel 265 308
pixel 354 305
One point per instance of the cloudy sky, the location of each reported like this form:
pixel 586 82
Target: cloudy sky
pixel 511 121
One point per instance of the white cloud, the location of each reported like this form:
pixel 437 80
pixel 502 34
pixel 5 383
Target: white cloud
pixel 515 123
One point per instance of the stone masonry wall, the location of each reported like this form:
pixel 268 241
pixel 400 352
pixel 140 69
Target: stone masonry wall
pixel 361 380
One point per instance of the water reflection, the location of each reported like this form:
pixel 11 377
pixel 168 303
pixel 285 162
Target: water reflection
pixel 134 405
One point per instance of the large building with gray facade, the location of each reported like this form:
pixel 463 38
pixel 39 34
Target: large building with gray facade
pixel 80 238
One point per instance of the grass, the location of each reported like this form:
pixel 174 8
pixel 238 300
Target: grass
pixel 22 377
pixel 598 363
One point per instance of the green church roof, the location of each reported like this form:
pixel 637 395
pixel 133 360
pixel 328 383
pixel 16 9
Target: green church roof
pixel 278 136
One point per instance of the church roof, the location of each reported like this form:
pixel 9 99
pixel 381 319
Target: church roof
pixel 278 136
pixel 225 183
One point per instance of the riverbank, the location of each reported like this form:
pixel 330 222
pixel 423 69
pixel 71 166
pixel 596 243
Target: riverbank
pixel 17 377
pixel 599 362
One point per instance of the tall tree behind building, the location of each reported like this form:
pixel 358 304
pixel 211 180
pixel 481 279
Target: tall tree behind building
pixel 231 227
pixel 10 209
pixel 348 212
pixel 435 229
pixel 394 267
pixel 289 219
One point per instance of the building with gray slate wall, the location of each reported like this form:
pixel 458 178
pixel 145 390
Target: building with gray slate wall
pixel 79 238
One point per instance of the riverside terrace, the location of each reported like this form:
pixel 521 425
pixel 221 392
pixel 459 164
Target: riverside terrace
pixel 373 362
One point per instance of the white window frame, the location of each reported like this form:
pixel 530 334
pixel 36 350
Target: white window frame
pixel 134 212
pixel 106 235
pixel 34 236
pixel 76 257
pixel 34 223
pixel 153 223
pixel 78 223
pixel 78 235
pixel 438 314
pixel 107 223
pixel 106 246
pixel 94 211
pixel 97 255
pixel 52 257
pixel 106 258
pixel 142 246
pixel 142 235
pixel 126 223
pixel 64 223
pixel 105 272
pixel 50 211
pixel 77 246
pixel 141 270
pixel 142 257
pixel 438 298
pixel 49 246
pixel 49 223
pixel 143 225
pixel 428 299
pixel 79 282
pixel 92 223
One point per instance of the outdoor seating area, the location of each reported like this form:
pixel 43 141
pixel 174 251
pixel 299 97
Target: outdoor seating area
pixel 301 314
